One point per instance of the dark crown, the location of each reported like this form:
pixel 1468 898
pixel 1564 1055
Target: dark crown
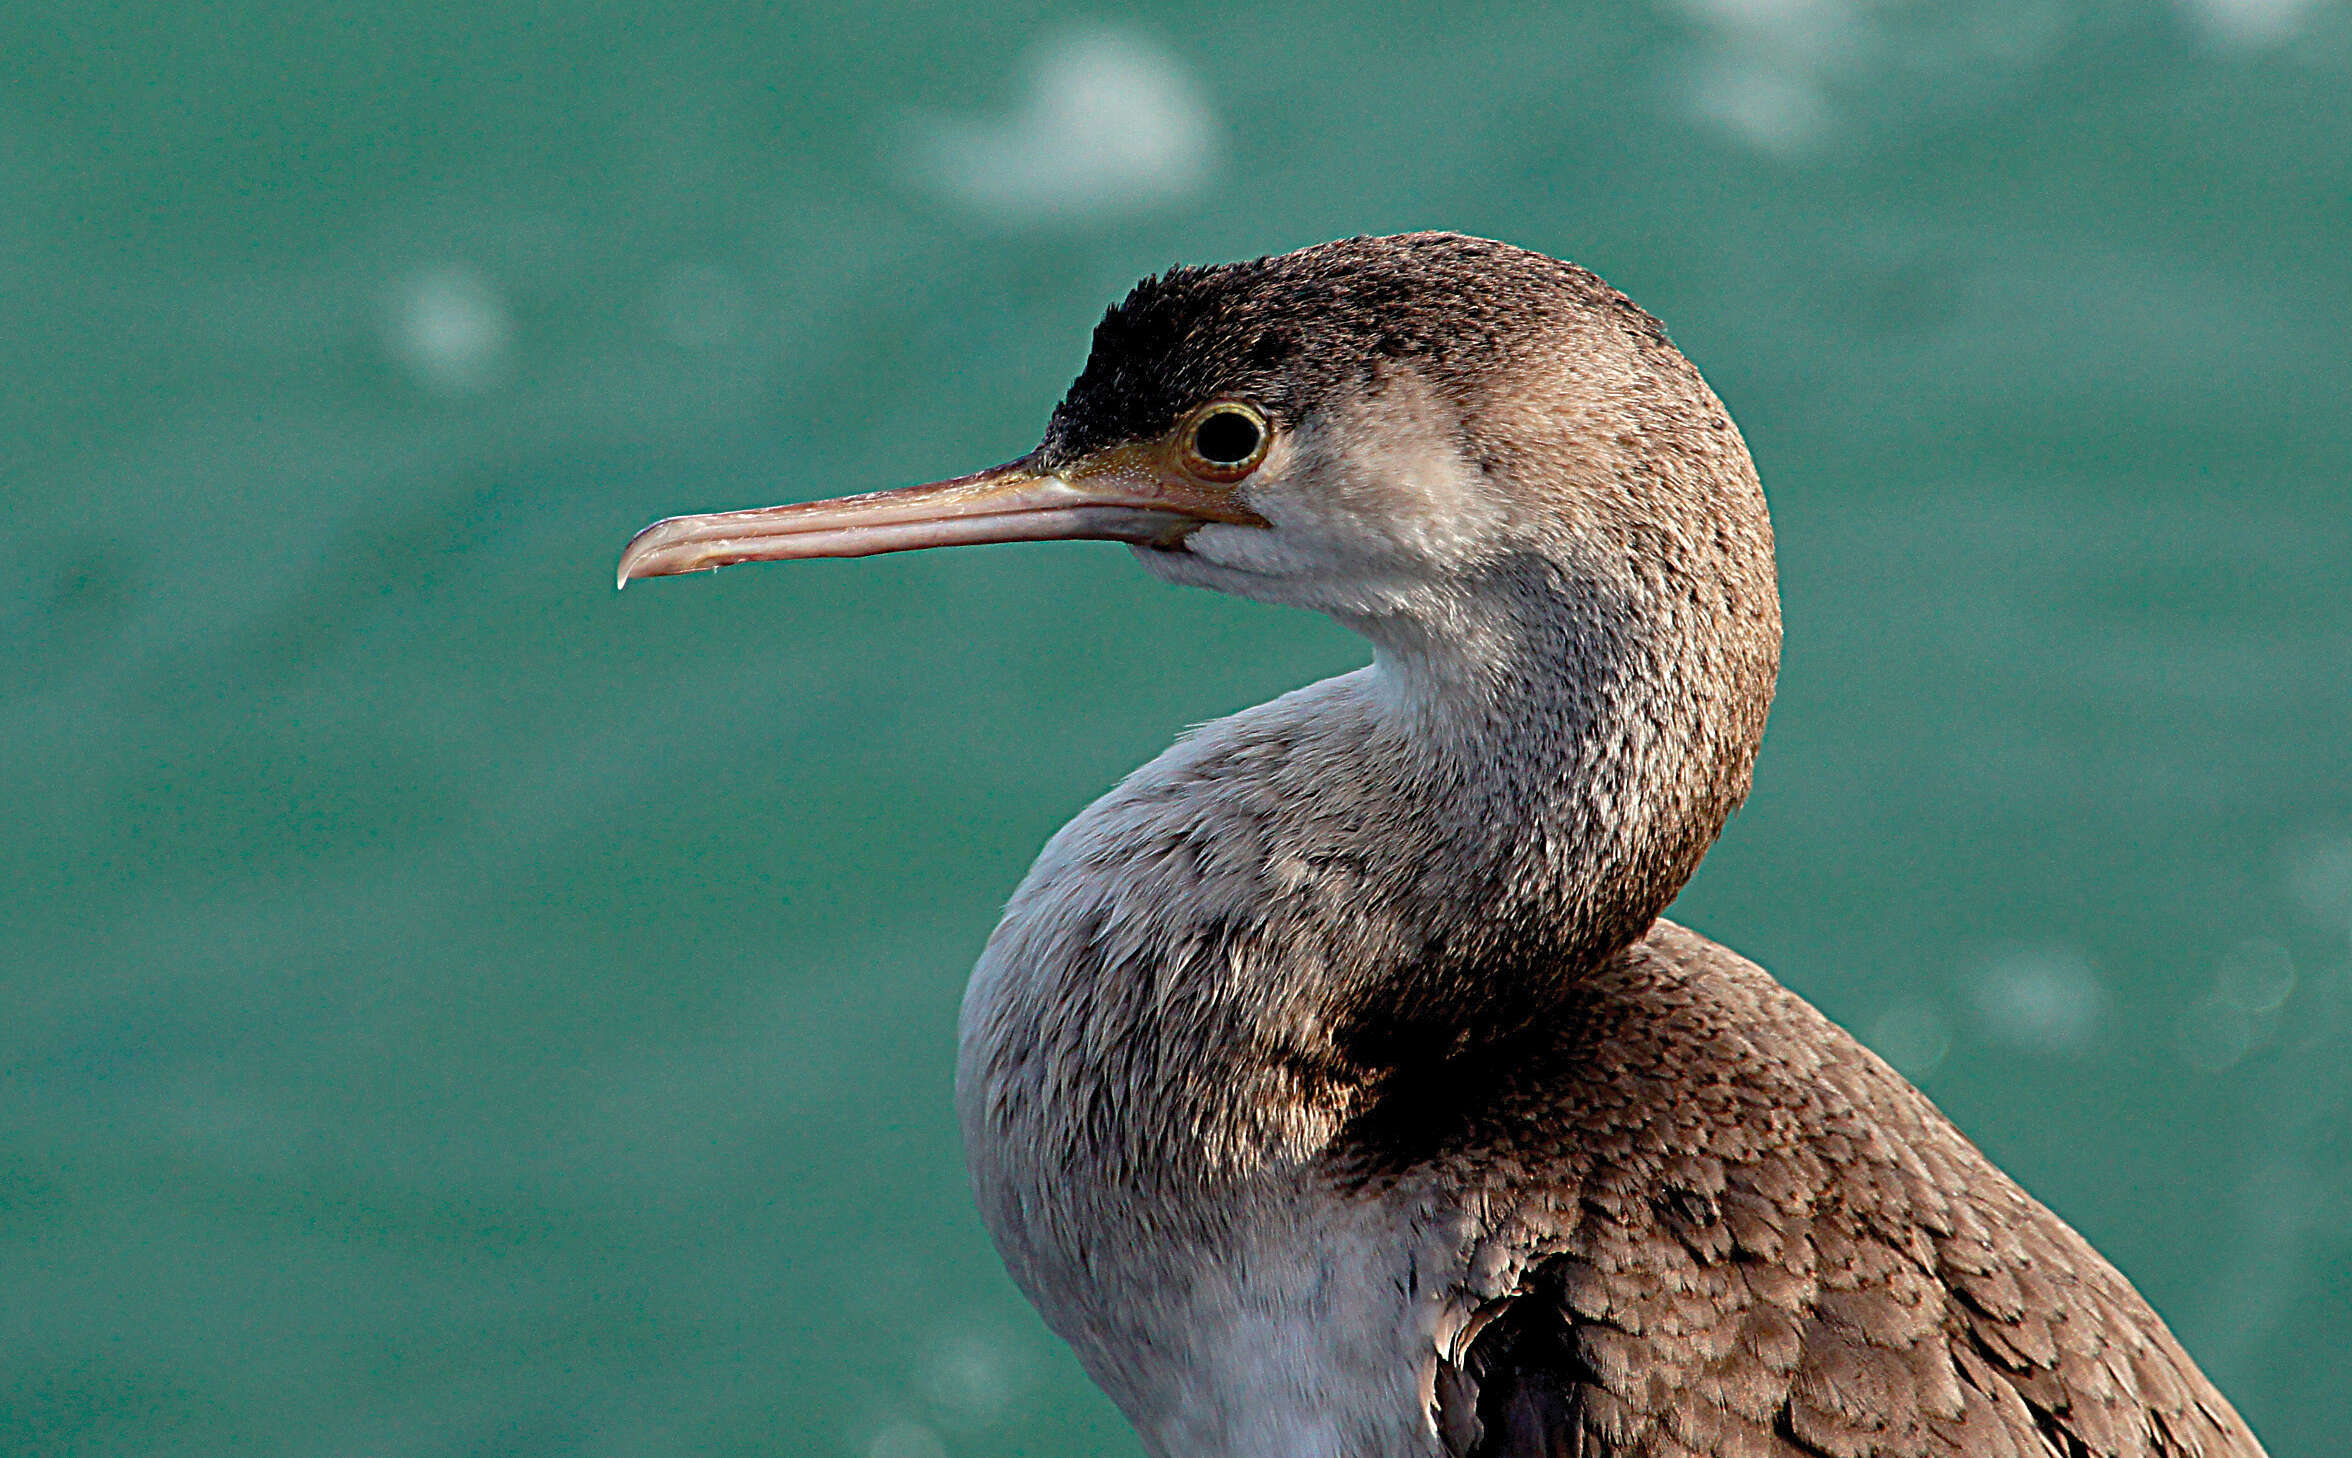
pixel 1287 332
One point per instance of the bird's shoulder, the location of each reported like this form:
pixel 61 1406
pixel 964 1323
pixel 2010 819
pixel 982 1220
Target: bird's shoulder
pixel 1714 1224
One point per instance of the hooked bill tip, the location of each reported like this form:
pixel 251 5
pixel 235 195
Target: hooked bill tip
pixel 642 548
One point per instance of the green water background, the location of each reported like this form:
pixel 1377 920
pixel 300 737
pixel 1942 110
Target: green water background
pixel 447 1009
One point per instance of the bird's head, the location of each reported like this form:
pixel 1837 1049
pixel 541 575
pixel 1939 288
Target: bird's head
pixel 1495 468
pixel 1366 428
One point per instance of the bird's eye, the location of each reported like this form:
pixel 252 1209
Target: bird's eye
pixel 1226 441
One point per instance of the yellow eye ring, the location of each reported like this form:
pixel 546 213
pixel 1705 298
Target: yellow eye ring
pixel 1225 440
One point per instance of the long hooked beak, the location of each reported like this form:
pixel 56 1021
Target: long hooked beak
pixel 1116 498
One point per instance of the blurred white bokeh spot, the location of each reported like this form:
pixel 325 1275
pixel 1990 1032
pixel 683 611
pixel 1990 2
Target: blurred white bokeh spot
pixel 2045 1000
pixel 1789 77
pixel 905 1439
pixel 1792 22
pixel 1913 1035
pixel 1773 110
pixel 449 328
pixel 2251 24
pixel 974 1375
pixel 1108 123
pixel 1761 74
pixel 2319 877
pixel 2238 1014
pixel 2255 976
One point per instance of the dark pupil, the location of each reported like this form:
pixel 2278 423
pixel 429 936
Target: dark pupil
pixel 1227 438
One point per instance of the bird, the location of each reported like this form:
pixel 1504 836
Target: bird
pixel 1335 1084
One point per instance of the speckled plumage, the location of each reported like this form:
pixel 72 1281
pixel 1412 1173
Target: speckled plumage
pixel 1332 1084
pixel 1761 1240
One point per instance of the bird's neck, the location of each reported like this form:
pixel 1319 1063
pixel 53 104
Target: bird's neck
pixel 1573 745
pixel 1218 964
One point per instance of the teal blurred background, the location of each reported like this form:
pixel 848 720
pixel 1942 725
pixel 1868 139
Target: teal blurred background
pixel 447 1009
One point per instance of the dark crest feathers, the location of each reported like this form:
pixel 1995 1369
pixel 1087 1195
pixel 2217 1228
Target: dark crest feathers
pixel 1289 330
